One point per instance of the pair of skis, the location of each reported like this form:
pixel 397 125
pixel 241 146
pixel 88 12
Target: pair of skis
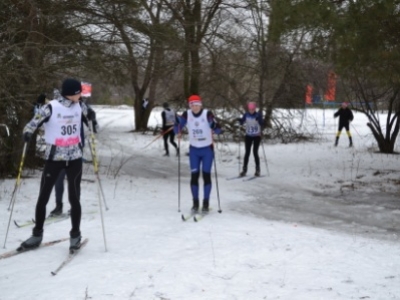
pixel 197 216
pixel 71 254
pixel 244 178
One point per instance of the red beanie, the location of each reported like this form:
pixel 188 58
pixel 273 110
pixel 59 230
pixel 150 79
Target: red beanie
pixel 194 100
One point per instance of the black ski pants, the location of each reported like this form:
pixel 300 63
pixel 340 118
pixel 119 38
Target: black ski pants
pixel 73 170
pixel 248 142
pixel 171 136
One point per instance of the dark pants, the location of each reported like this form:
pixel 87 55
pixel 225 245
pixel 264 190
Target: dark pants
pixel 59 187
pixel 171 135
pixel 255 142
pixel 51 172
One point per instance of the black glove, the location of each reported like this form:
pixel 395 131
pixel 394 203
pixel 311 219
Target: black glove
pixel 41 99
pixel 27 137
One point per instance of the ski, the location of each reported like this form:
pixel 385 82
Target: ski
pixel 236 177
pixel 198 217
pixel 253 177
pixel 187 217
pixel 71 255
pixel 49 220
pixel 20 250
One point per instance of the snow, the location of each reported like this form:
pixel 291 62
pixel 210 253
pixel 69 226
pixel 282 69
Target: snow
pixel 324 224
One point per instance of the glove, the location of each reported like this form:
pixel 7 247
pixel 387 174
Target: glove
pixel 27 137
pixel 238 119
pixel 41 99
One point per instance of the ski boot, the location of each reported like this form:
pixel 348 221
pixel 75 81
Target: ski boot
pixel 56 211
pixel 243 173
pixel 75 242
pixel 195 207
pixel 33 242
pixel 206 206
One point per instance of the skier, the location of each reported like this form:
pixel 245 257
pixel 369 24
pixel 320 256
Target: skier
pixel 168 120
pixel 59 185
pixel 201 124
pixel 254 123
pixel 62 119
pixel 345 117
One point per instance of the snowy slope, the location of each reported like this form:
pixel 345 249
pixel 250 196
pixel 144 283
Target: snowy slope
pixel 323 225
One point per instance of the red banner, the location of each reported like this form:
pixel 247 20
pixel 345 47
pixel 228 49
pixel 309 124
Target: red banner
pixel 330 93
pixel 86 89
pixel 308 95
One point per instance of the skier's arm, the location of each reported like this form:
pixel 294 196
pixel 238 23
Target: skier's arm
pixel 163 120
pixel 351 116
pixel 242 119
pixel 260 119
pixel 336 114
pixel 42 115
pixel 213 123
pixel 180 123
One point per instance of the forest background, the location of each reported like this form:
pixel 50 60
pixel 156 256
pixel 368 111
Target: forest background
pixel 229 52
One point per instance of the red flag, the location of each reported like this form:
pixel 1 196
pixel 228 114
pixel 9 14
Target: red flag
pixel 86 89
pixel 308 95
pixel 330 92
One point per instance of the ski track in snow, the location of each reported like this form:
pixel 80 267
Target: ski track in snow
pixel 323 225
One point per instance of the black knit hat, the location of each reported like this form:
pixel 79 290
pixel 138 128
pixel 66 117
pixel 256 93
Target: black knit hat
pixel 71 87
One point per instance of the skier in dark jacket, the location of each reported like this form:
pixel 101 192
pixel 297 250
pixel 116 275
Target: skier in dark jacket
pixel 345 117
pixel 254 122
pixel 168 120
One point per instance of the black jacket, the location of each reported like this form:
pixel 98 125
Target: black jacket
pixel 345 115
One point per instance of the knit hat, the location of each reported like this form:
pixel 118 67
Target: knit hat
pixel 71 87
pixel 194 100
pixel 251 105
pixel 165 105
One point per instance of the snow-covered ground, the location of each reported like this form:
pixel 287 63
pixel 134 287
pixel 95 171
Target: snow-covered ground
pixel 322 224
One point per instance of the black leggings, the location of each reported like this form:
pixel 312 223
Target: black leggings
pixel 50 174
pixel 171 136
pixel 249 141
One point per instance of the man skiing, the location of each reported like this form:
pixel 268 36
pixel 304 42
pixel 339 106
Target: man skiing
pixel 254 122
pixel 62 119
pixel 168 120
pixel 201 124
pixel 345 117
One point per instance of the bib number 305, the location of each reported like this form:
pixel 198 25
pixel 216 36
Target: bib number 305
pixel 69 129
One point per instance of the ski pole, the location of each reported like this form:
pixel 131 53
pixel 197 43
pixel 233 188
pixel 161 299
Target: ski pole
pixel 95 162
pixel 157 137
pixel 99 187
pixel 18 181
pixel 179 169
pixel 356 130
pixel 265 157
pixel 240 138
pixel 16 187
pixel 216 182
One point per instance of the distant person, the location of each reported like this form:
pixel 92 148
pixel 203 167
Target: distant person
pixel 168 116
pixel 345 117
pixel 62 121
pixel 145 104
pixel 254 122
pixel 201 124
